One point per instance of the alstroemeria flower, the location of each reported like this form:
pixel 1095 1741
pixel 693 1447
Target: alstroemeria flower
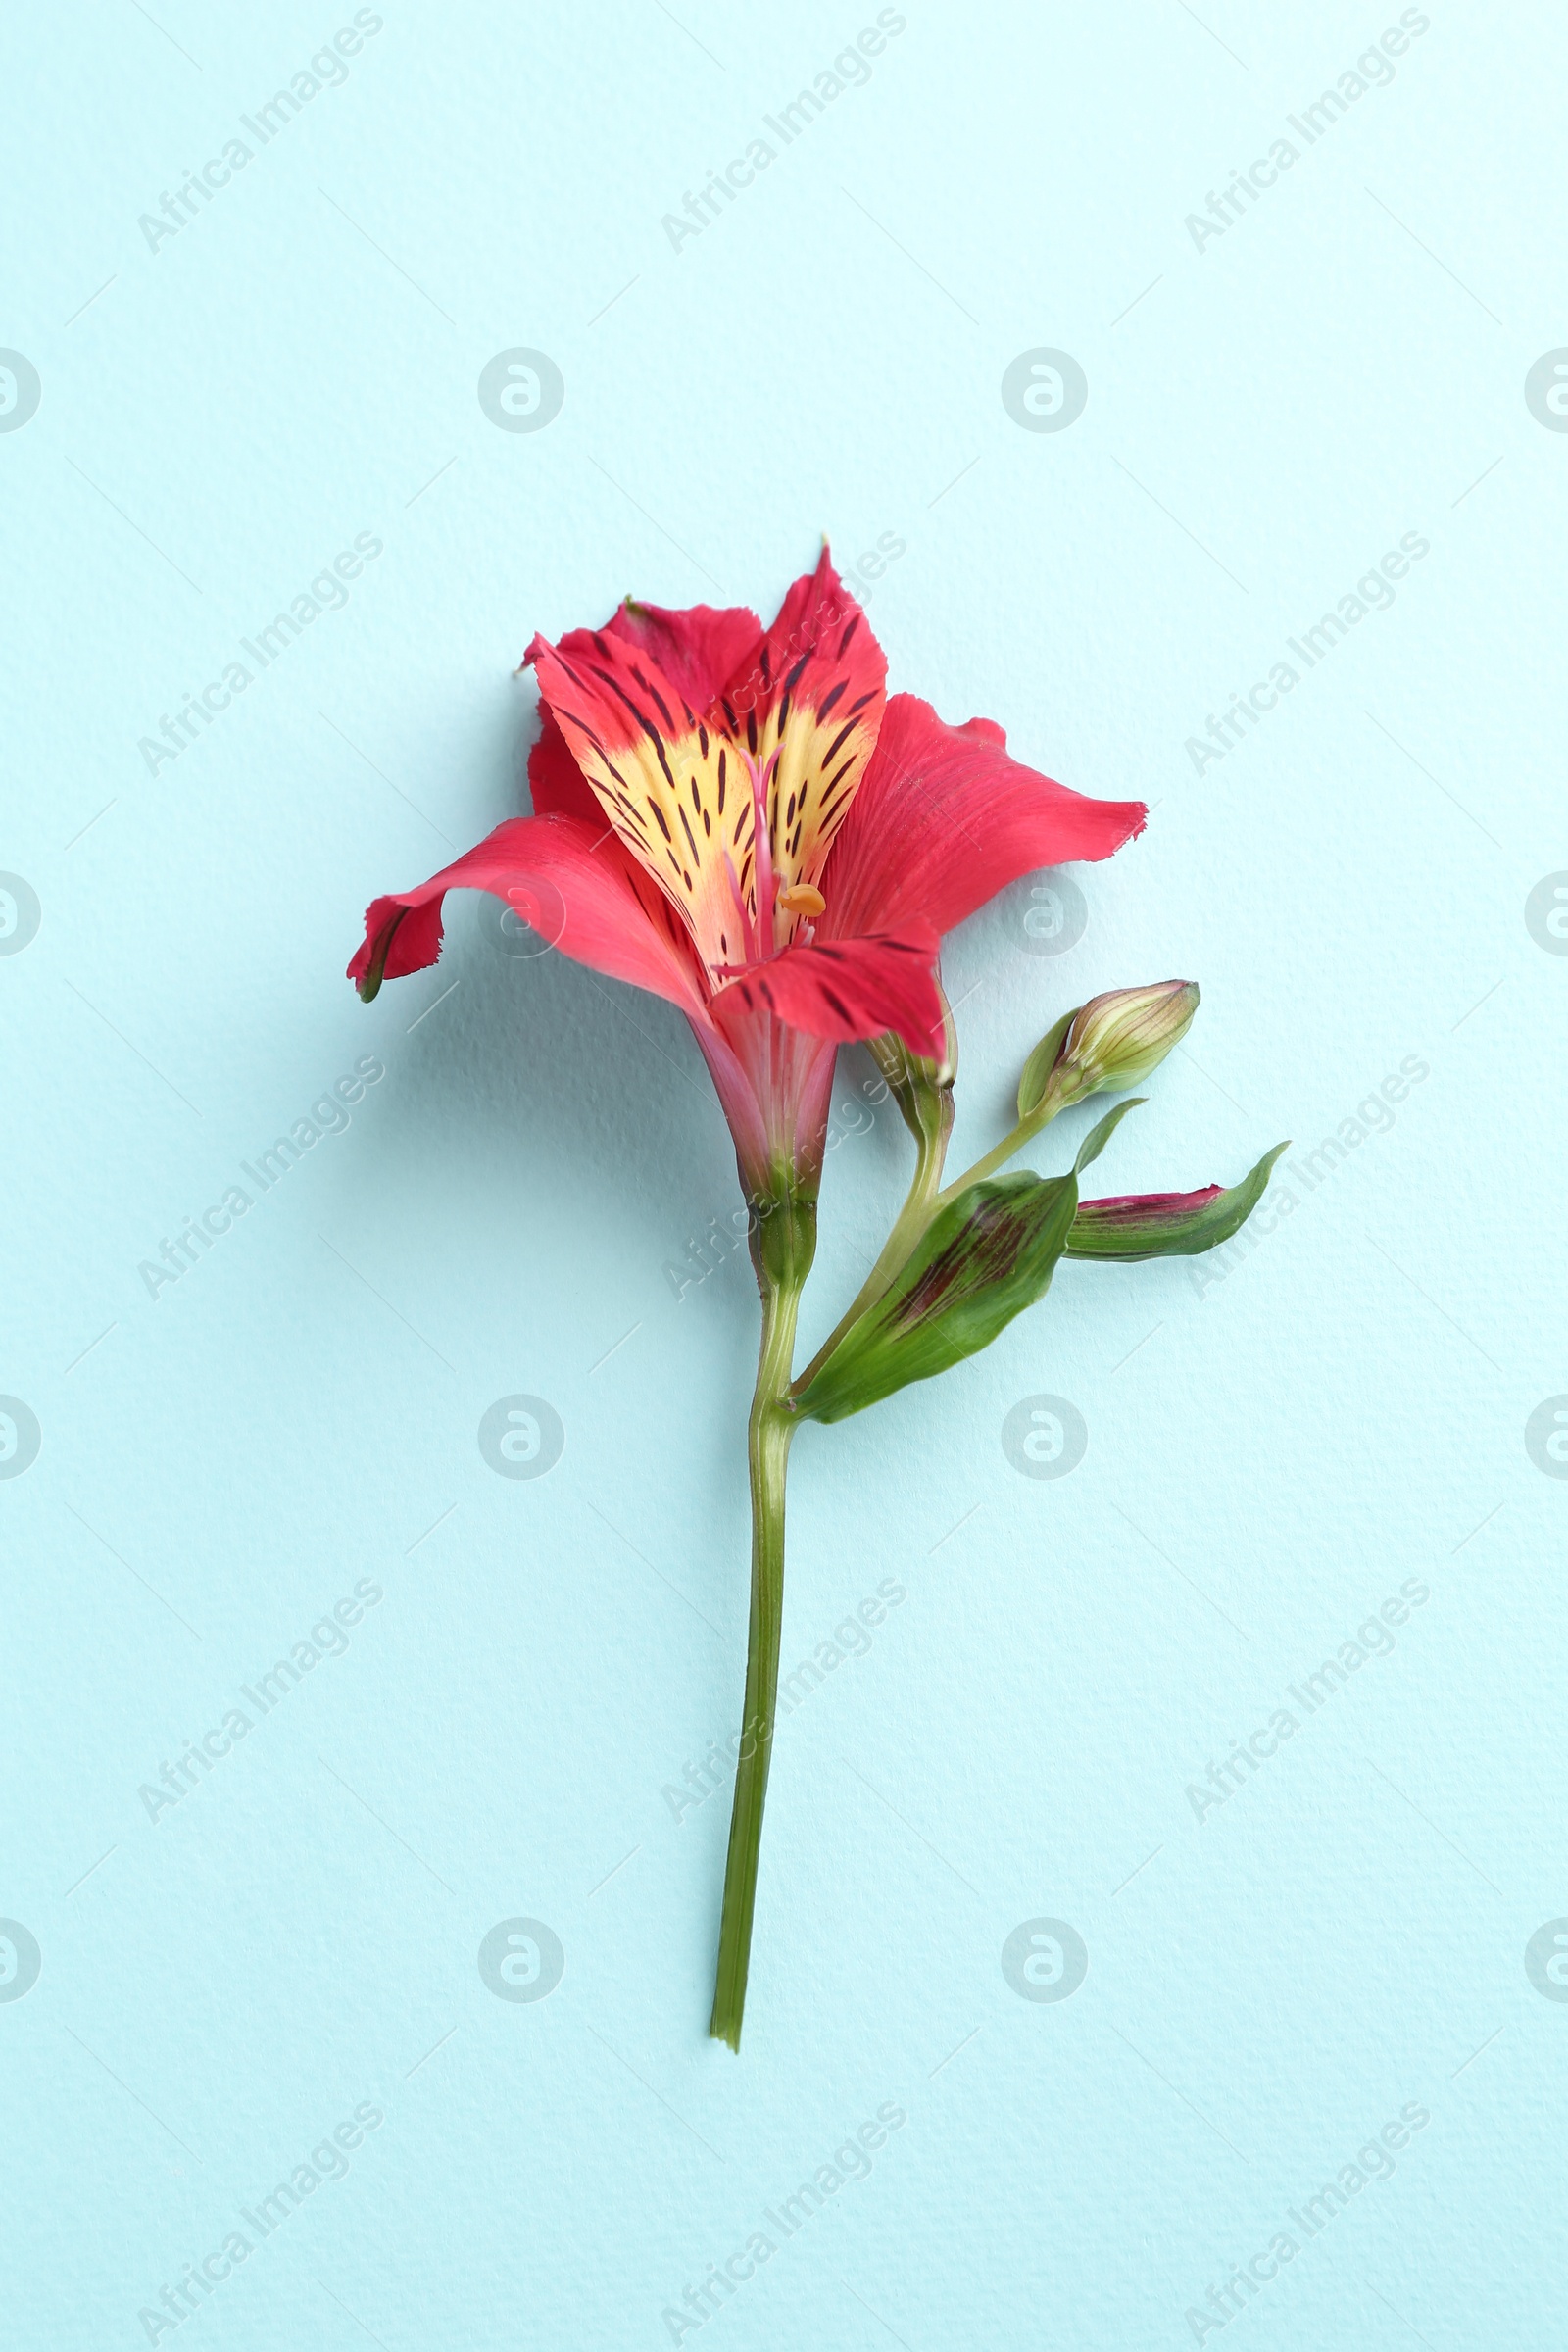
pixel 741 820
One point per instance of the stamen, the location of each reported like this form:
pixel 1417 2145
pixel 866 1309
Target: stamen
pixel 739 897
pixel 802 899
pixel 765 944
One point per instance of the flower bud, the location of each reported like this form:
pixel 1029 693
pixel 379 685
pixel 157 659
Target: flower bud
pixel 1115 1040
pixel 922 1089
pixel 900 1067
pixel 1137 1225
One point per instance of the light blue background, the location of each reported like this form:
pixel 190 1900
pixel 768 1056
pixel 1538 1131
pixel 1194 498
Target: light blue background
pixel 1271 1454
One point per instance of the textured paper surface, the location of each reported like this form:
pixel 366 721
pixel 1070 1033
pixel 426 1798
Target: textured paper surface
pixel 1362 1405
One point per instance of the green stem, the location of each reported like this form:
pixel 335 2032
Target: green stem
pixel 783 1256
pixel 995 1157
pixel 907 1227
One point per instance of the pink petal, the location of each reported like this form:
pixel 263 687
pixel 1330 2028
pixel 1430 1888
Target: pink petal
pixel 632 708
pixel 847 987
pixel 576 894
pixel 699 649
pixel 672 788
pixel 557 784
pixel 944 819
pixel 808 709
pixel 823 634
pixel 775 1084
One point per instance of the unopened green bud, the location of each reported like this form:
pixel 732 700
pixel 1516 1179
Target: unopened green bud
pixel 900 1067
pixel 1115 1040
pixel 922 1089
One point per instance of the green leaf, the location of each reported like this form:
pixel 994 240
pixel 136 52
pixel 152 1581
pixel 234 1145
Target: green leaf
pixel 980 1261
pixel 1168 1224
pixel 1101 1133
